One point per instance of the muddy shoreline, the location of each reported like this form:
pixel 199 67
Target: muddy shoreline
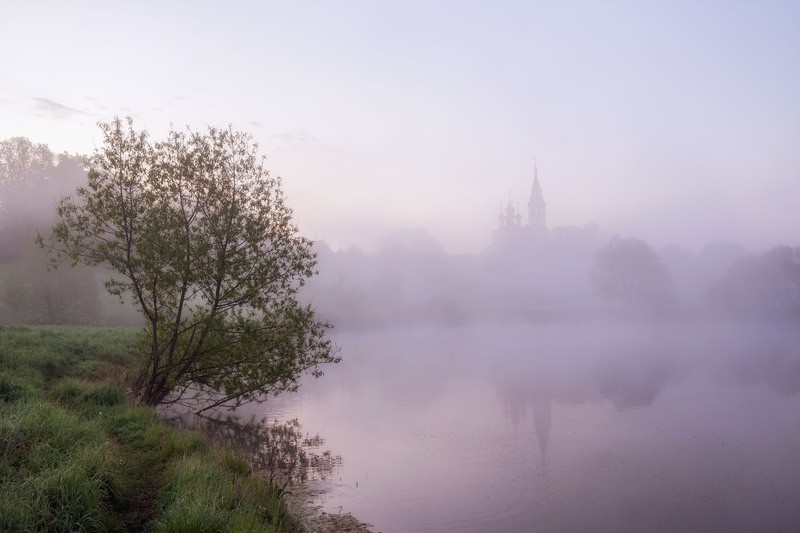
pixel 301 502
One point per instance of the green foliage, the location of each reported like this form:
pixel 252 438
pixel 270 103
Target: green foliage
pixel 183 443
pixel 78 495
pixel 104 395
pixel 199 235
pixel 236 464
pixel 88 399
pixel 134 425
pixel 22 162
pixel 42 355
pixel 202 495
pixel 67 391
pixel 78 456
pixel 56 467
pixel 12 389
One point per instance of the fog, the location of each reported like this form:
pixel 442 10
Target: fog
pixel 560 425
pixel 676 124
pixel 562 378
pixel 32 181
pixel 564 273
pixel 557 243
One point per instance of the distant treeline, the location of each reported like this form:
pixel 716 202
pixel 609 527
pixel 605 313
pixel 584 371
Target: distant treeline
pixel 32 180
pixel 410 278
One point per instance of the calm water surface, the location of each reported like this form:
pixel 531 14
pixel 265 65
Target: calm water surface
pixel 594 426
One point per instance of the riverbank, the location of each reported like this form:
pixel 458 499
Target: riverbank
pixel 77 454
pixel 300 502
pixel 282 452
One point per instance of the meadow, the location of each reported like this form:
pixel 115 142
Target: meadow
pixel 76 454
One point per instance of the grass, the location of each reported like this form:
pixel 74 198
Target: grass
pixel 77 455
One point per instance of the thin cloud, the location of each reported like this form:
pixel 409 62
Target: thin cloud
pixel 96 103
pixel 255 124
pixel 56 109
pixel 298 140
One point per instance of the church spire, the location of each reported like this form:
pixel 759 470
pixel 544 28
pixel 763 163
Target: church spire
pixel 536 205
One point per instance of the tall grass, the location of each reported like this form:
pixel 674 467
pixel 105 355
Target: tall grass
pixel 77 455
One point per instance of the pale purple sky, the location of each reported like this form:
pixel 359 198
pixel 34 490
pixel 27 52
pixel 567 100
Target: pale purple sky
pixel 669 121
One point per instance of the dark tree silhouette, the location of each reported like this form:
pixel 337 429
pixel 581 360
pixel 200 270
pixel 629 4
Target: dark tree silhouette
pixel 766 283
pixel 628 272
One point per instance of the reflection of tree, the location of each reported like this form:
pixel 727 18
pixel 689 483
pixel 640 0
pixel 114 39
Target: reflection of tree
pixel 542 410
pixel 768 355
pixel 278 448
pixel 778 370
pixel 633 382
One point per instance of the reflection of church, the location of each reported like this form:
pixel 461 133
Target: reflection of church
pixel 517 397
pixel 512 232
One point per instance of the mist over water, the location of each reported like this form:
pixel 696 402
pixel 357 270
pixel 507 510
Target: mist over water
pixel 616 348
pixel 561 379
pixel 589 425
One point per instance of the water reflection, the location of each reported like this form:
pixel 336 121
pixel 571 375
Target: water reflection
pixel 670 425
pixel 542 413
pixel 771 358
pixel 279 448
pixel 634 382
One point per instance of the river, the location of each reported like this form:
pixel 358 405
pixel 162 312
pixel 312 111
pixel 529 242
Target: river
pixel 592 425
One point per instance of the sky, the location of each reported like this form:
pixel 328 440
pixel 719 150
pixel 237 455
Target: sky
pixel 674 122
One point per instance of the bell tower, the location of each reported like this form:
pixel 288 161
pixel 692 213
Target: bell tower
pixel 536 206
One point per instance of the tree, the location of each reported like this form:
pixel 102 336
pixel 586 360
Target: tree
pixel 35 294
pixel 629 272
pixel 196 231
pixel 22 162
pixel 766 283
pixel 32 179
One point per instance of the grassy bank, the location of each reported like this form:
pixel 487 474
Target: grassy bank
pixel 77 455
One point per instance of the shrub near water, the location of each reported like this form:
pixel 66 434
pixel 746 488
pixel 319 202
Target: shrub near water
pixel 76 455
